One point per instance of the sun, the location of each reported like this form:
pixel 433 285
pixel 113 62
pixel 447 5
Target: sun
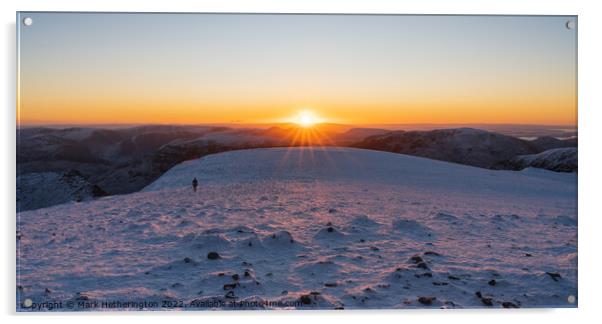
pixel 306 119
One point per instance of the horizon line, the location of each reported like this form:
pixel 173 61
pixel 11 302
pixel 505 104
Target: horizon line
pixel 41 124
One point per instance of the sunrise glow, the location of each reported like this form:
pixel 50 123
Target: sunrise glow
pixel 394 70
pixel 306 119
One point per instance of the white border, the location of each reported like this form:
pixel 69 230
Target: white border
pixel 590 107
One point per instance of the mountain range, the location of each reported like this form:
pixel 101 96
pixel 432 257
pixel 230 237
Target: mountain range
pixel 86 162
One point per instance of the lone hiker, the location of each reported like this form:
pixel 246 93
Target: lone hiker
pixel 195 183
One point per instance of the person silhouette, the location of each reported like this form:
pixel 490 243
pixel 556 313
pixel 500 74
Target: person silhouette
pixel 195 183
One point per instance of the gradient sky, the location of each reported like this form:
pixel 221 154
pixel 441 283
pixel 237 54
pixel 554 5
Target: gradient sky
pixel 215 68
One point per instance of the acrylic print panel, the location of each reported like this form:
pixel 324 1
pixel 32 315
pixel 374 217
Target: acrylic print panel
pixel 295 161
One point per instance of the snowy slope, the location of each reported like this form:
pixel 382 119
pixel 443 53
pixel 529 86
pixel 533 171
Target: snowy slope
pixel 356 165
pixel 41 189
pixel 315 228
pixel 560 159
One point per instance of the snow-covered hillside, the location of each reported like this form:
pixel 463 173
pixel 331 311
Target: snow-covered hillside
pixel 560 159
pixel 41 189
pixel 312 228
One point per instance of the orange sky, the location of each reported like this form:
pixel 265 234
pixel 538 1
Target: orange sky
pixel 268 68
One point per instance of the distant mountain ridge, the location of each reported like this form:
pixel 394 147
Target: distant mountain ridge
pixel 558 159
pixel 125 160
pixel 460 145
